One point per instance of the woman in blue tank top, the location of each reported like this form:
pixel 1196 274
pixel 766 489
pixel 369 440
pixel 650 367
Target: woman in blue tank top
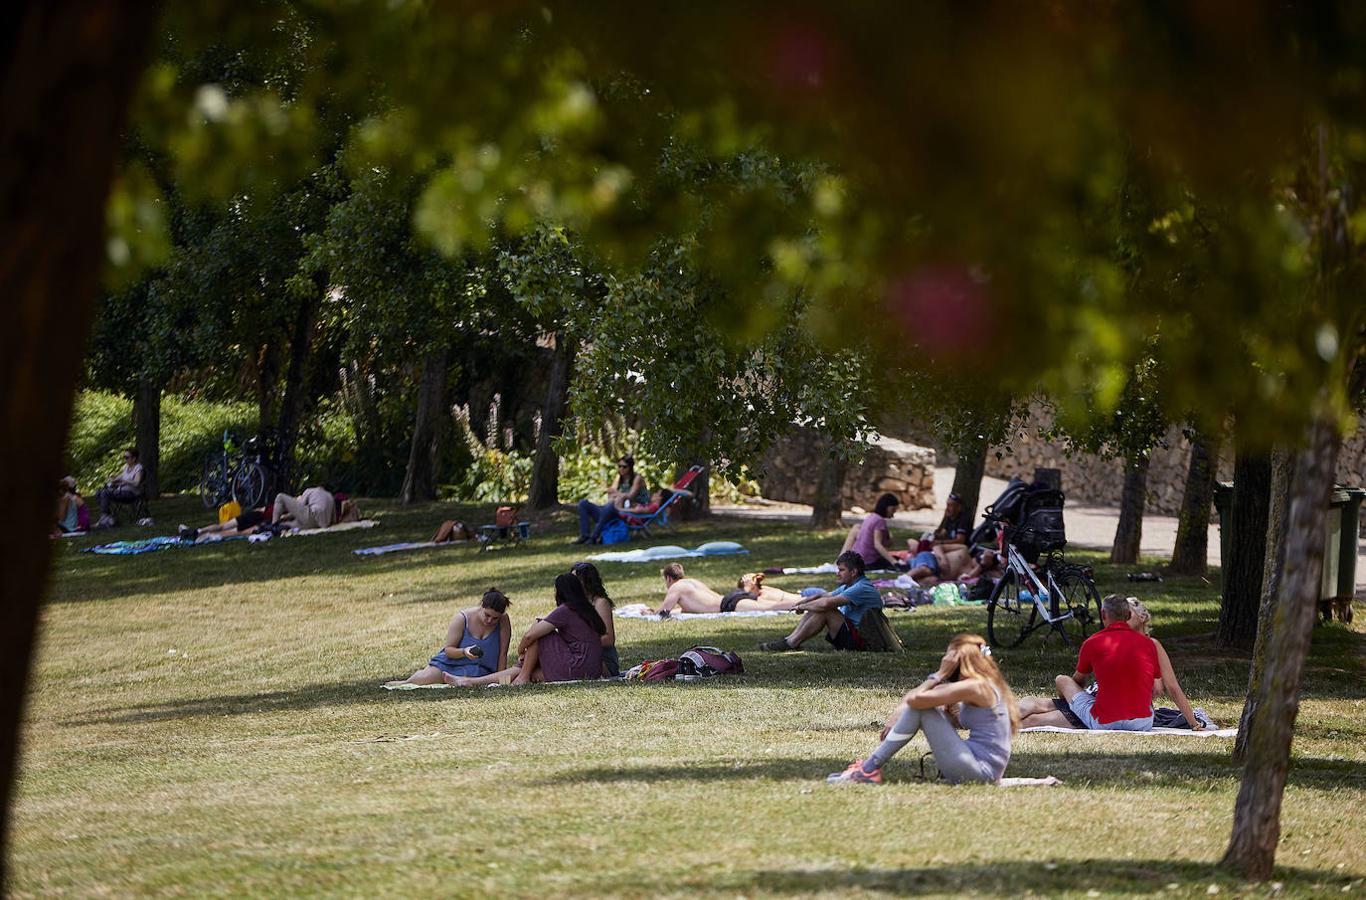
pixel 968 679
pixel 476 644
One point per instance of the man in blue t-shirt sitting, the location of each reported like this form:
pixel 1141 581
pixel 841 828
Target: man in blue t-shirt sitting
pixel 838 612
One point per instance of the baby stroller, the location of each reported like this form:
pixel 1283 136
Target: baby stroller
pixel 1039 589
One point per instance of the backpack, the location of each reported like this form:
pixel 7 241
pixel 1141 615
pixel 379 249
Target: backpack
pixel 878 634
pixel 615 532
pixel 709 661
pixel 504 516
pixel 653 670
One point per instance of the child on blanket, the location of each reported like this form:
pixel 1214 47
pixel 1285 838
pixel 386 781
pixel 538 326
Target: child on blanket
pixel 597 594
pixel 476 644
pixel 967 681
pixel 1040 711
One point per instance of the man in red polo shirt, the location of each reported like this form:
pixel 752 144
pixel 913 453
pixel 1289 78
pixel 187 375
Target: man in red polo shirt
pixel 1124 663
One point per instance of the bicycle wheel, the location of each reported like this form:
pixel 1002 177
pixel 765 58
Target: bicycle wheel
pixel 1077 593
pixel 249 485
pixel 1010 618
pixel 213 481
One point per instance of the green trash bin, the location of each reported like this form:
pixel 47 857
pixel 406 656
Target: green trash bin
pixel 1340 537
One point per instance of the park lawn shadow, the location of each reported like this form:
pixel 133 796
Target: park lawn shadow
pixel 1013 878
pixel 1113 767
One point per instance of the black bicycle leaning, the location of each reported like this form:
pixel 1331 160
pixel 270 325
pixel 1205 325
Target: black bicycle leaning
pixel 1039 589
pixel 235 473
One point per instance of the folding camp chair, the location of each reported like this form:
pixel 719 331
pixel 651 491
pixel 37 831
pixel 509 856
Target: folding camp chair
pixel 660 517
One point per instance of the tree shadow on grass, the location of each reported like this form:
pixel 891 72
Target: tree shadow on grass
pixel 1012 878
pixel 1126 767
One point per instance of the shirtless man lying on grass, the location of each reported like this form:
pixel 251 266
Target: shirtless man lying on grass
pixel 691 595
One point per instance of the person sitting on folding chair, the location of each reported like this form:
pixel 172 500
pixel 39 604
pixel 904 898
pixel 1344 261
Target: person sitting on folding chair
pixel 629 489
pixel 125 487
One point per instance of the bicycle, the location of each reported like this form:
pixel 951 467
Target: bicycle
pixel 239 474
pixel 1064 599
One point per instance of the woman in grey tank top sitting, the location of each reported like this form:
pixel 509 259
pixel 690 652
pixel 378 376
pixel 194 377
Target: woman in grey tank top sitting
pixel 969 682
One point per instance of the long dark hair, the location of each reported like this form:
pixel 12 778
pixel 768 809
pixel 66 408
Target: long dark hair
pixel 569 592
pixel 592 581
pixel 886 502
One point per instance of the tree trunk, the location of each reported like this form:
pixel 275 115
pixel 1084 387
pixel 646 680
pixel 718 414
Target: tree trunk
pixel 967 476
pixel 1247 551
pixel 68 72
pixel 267 380
pixel 1274 696
pixel 297 382
pixel 147 431
pixel 828 503
pixel 1282 468
pixel 1129 531
pixel 544 492
pixel 419 480
pixel 1191 554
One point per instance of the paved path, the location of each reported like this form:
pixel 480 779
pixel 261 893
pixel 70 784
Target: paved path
pixel 1092 527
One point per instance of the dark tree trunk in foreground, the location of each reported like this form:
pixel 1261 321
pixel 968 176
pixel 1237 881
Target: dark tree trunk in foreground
pixel 967 476
pixel 1247 552
pixel 297 393
pixel 419 479
pixel 1274 696
pixel 544 492
pixel 147 435
pixel 69 70
pixel 1191 554
pixel 827 504
pixel 1282 468
pixel 1129 531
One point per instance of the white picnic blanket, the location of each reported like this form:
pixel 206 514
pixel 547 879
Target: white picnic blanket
pixel 639 611
pixel 669 551
pixel 1046 781
pixel 1176 732
pixel 308 532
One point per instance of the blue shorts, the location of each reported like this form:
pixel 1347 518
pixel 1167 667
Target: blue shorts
pixel 928 560
pixel 1081 704
pixel 472 668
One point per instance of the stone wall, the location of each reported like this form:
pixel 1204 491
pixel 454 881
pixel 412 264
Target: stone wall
pixel 1090 479
pixel 890 465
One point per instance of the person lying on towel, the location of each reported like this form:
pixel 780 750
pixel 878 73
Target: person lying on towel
pixel 690 595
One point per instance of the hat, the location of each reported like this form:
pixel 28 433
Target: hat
pixel 69 482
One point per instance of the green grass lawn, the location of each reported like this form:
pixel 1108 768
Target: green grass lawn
pixel 209 721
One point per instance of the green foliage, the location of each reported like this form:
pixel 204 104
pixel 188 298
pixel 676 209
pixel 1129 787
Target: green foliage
pixel 103 426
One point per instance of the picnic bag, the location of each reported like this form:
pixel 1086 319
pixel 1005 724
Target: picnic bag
pixel 654 670
pixel 709 661
pixel 615 532
pixel 878 634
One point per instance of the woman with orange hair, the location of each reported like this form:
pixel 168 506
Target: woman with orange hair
pixel 969 680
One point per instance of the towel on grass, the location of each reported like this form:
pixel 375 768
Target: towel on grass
pixel 1178 732
pixel 133 548
pixel 395 548
pixel 1046 781
pixel 822 569
pixel 638 611
pixel 669 551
